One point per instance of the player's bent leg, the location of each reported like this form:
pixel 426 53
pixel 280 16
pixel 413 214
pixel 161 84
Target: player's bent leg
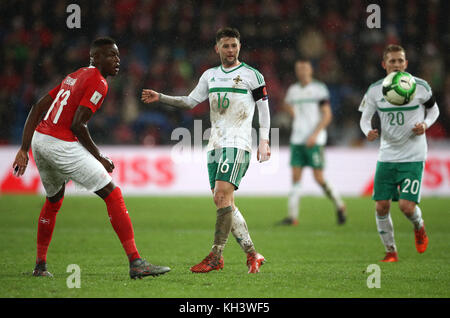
pixel 240 232
pixel 121 223
pixel 120 220
pixel 223 199
pixel 333 195
pixel 385 229
pixel 414 214
pixel 46 225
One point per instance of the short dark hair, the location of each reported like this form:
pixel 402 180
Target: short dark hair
pixel 227 32
pixel 105 40
pixel 392 48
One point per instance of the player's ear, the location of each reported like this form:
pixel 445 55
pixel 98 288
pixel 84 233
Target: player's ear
pixel 383 64
pixel 216 48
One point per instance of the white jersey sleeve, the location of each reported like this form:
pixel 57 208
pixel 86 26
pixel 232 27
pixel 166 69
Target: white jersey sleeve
pixel 367 101
pixel 289 98
pixel 200 93
pixel 257 80
pixel 325 94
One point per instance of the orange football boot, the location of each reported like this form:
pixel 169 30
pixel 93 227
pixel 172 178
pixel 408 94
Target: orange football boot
pixel 254 262
pixel 421 239
pixel 210 263
pixel 390 257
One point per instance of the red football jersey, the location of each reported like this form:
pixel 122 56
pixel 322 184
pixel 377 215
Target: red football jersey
pixel 85 87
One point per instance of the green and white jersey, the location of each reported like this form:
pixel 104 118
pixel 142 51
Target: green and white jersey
pixel 231 104
pixel 398 142
pixel 305 100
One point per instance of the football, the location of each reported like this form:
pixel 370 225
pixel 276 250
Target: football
pixel 399 88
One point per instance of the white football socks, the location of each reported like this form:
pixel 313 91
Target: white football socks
pixel 333 195
pixel 240 232
pixel 385 228
pixel 294 201
pixel 416 218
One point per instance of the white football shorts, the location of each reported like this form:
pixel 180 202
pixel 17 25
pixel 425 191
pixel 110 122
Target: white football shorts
pixel 59 161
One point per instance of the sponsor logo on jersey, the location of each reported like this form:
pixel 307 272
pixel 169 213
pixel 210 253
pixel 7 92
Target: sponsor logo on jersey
pixel 70 81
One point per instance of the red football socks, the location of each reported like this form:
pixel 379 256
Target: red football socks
pixel 120 220
pixel 46 224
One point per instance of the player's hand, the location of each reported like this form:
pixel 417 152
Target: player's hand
pixel 107 163
pixel 311 141
pixel 20 163
pixel 372 135
pixel 263 153
pixel 149 96
pixel 419 129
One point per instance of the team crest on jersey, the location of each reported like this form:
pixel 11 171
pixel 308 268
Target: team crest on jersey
pixel 237 79
pixel 70 81
pixel 96 97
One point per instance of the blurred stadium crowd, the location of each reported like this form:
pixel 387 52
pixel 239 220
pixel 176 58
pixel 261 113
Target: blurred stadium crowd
pixel 167 44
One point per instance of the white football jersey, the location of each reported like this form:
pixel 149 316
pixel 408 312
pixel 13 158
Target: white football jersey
pixel 307 115
pixel 398 142
pixel 231 104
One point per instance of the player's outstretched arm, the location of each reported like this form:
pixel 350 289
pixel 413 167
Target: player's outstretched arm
pixel 149 96
pixel 33 119
pixel 80 130
pixel 183 102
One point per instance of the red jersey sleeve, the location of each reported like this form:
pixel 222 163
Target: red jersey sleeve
pixel 95 92
pixel 54 91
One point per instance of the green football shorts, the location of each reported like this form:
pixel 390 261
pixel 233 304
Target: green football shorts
pixel 398 180
pixel 302 156
pixel 227 164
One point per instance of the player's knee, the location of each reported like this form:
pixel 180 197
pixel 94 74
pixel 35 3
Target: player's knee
pixel 221 198
pixel 318 176
pixel 383 207
pixel 57 198
pixel 407 207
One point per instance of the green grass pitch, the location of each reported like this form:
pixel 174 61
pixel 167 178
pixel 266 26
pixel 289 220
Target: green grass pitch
pixel 316 259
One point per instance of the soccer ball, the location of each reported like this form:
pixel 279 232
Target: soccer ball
pixel 399 88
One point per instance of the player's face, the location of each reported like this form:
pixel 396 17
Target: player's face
pixel 228 50
pixel 109 60
pixel 395 62
pixel 303 71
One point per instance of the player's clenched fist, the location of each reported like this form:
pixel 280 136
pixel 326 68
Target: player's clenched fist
pixel 149 96
pixel 372 135
pixel 107 163
pixel 263 153
pixel 419 129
